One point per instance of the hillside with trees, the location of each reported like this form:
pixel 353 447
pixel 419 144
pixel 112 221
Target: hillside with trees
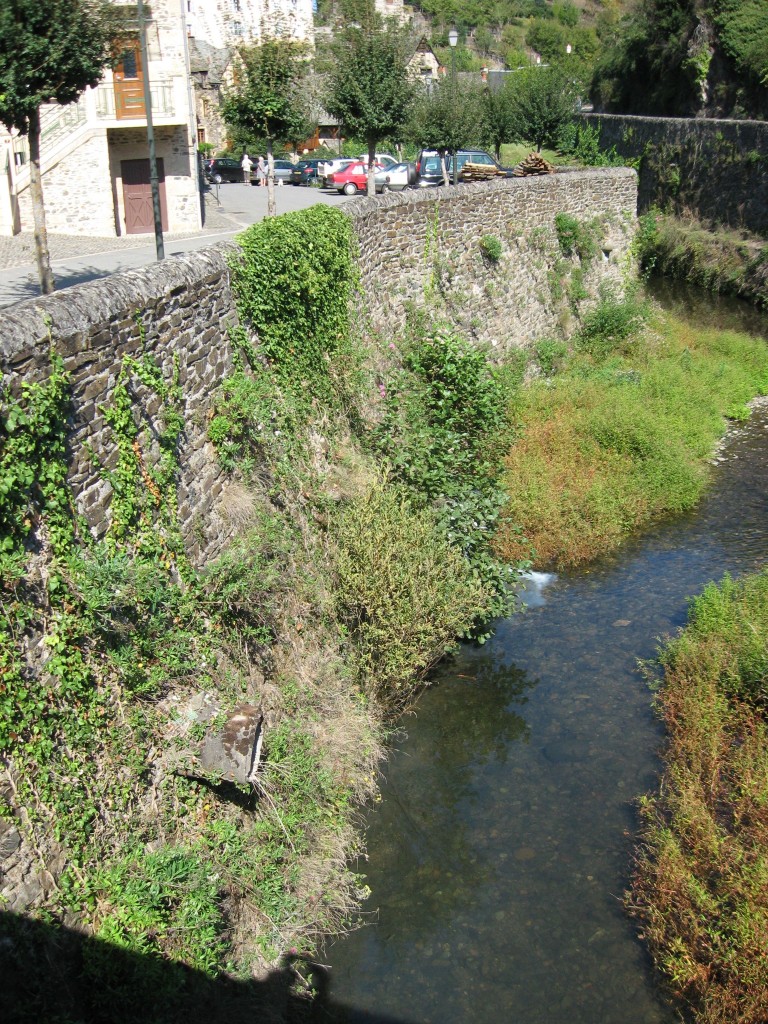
pixel 687 58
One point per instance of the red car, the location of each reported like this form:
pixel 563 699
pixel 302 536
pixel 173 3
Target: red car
pixel 351 179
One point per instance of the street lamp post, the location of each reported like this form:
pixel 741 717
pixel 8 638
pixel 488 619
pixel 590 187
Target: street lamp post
pixel 453 38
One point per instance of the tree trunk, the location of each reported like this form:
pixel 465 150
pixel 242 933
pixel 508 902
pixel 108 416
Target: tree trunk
pixel 444 168
pixel 371 184
pixel 271 204
pixel 38 209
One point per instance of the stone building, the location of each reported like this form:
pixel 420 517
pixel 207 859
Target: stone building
pixel 216 28
pixel 392 9
pixel 94 152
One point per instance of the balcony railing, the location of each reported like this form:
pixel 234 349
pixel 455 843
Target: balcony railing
pixel 161 94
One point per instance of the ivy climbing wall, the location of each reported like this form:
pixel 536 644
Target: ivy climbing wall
pixel 178 314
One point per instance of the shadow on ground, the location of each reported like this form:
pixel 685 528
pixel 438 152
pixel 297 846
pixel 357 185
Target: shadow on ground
pixel 49 973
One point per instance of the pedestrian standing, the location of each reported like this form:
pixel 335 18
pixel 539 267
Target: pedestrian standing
pixel 261 171
pixel 246 163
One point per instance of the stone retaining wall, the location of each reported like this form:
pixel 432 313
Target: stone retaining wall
pixel 179 311
pixel 413 247
pixel 715 169
pixel 426 245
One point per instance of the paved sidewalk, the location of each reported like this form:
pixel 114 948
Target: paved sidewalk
pixel 75 258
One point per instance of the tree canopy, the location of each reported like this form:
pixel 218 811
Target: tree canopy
pixel 684 57
pixel 541 104
pixel 50 52
pixel 369 89
pixel 448 117
pixel 266 104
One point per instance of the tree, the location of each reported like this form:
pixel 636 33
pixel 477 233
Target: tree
pixel 49 53
pixel 498 120
pixel 266 104
pixel 369 90
pixel 447 118
pixel 542 104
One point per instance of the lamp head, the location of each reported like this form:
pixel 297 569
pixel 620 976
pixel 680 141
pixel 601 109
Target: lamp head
pixel 453 37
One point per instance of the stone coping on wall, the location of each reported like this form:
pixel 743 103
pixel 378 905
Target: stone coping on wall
pixel 448 194
pixel 70 315
pixel 703 123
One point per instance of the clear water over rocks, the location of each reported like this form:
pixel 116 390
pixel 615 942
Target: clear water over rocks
pixel 500 852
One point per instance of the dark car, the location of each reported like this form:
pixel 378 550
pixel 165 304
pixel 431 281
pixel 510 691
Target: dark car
pixel 305 172
pixel 220 169
pixel 429 172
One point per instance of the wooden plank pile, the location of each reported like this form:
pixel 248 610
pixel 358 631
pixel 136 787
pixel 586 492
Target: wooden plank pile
pixel 533 164
pixel 478 172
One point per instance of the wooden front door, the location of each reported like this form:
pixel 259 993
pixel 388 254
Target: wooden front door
pixel 128 79
pixel 137 196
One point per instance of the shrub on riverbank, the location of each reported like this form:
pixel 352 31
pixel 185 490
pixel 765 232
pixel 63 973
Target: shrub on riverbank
pixel 713 258
pixel 701 883
pixel 614 442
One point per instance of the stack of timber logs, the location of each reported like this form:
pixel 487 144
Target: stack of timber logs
pixel 533 164
pixel 479 172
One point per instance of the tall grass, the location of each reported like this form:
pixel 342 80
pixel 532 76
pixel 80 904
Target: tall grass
pixel 701 883
pixel 619 439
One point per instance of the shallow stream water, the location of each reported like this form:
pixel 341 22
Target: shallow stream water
pixel 500 852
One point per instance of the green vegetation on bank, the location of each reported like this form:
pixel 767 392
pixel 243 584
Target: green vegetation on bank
pixel 353 573
pixel 619 436
pixel 718 259
pixel 701 884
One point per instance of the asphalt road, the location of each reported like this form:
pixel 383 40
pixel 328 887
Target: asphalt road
pixel 75 259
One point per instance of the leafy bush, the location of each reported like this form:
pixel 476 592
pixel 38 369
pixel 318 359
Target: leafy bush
pixel 293 280
pixel 404 592
pixel 490 246
pixel 445 431
pixel 550 353
pixel 608 327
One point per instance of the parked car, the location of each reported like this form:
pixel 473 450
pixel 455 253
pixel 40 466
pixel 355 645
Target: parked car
pixel 219 169
pixel 351 179
pixel 429 172
pixel 305 172
pixel 395 178
pixel 283 171
pixel 381 158
pixel 328 167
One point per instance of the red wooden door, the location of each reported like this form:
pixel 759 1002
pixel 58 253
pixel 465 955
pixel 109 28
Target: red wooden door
pixel 128 80
pixel 137 196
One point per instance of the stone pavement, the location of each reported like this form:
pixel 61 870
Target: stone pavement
pixel 19 250
pixel 76 258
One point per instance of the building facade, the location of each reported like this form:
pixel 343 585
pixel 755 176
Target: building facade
pixel 94 153
pixel 216 28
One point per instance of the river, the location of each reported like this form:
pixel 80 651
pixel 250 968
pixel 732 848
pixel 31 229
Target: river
pixel 500 852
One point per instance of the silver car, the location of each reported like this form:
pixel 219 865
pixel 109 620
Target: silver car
pixel 395 178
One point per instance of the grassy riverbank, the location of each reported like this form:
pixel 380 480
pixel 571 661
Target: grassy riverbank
pixel 717 259
pixel 701 886
pixel 616 432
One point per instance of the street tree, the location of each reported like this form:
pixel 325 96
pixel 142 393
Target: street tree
pixel 369 90
pixel 49 53
pixel 266 103
pixel 543 100
pixel 498 120
pixel 448 117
